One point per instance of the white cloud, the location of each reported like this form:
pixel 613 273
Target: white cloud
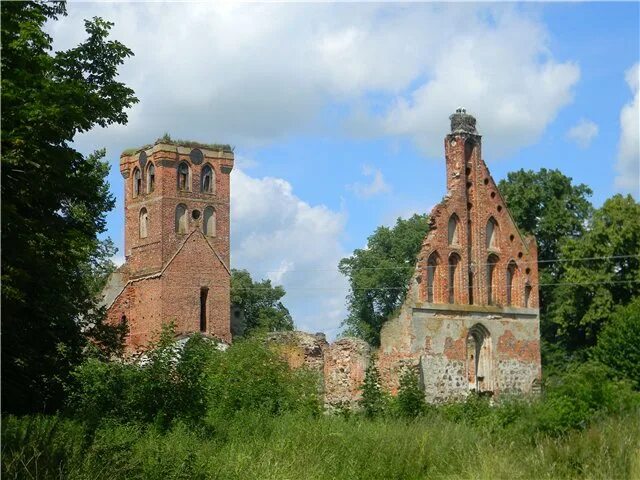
pixel 376 186
pixel 501 72
pixel 583 133
pixel 244 73
pixel 278 236
pixel 628 165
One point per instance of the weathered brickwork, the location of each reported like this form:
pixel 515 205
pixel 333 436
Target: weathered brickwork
pixel 340 365
pixel 176 243
pixel 470 321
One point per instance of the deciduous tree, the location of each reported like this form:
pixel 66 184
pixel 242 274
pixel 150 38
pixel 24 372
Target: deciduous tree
pixel 379 275
pixel 260 303
pixel 599 272
pixel 54 199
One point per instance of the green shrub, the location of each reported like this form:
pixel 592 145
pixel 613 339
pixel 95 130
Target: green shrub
pixel 573 399
pixel 249 376
pixel 410 400
pixel 169 384
pixel 474 410
pixel 373 402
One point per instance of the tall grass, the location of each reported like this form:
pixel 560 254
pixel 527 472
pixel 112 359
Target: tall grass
pixel 258 446
pixel 243 414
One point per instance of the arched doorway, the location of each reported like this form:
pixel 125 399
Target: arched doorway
pixel 479 364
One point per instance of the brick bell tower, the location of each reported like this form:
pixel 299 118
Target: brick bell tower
pixel 176 241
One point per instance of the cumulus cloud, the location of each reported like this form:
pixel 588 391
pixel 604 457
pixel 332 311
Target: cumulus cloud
pixel 256 73
pixel 583 133
pixel 278 236
pixel 376 186
pixel 501 71
pixel 628 165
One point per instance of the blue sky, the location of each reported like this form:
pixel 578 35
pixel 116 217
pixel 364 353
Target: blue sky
pixel 338 112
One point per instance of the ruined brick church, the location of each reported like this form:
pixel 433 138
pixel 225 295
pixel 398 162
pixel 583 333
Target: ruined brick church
pixel 470 320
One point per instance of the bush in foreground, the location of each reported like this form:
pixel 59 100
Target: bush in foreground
pixel 191 383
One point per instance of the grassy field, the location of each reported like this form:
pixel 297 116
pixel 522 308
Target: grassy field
pixel 293 447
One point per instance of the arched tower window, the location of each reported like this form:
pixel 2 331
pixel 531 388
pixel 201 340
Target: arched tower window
pixel 492 234
pixel 209 222
pixel 208 179
pixel 184 177
pixel 512 271
pixel 432 275
pixel 492 291
pixel 137 182
pixel 181 218
pixel 527 295
pixel 454 223
pixel 454 278
pixel 151 177
pixel 144 223
pixel 479 364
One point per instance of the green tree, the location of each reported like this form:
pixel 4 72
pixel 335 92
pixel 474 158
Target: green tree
pixel 53 198
pixel 548 205
pixel 379 275
pixel 619 343
pixel 590 290
pixel 260 303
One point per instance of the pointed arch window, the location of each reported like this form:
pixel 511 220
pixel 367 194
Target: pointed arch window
pixel 454 223
pixel 454 278
pixel 144 223
pixel 432 275
pixel 492 234
pixel 209 222
pixel 527 296
pixel 208 180
pixel 492 291
pixel 512 272
pixel 181 218
pixel 151 177
pixel 184 177
pixel 137 182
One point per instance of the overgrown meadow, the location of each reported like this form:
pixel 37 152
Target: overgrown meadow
pixel 198 412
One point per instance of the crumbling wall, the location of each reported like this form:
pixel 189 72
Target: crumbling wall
pixel 341 365
pixel 300 349
pixel 345 365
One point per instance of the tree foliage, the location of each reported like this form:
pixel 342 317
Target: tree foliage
pixel 619 343
pixel 550 206
pixel 379 275
pixel 590 290
pixel 260 303
pixel 53 198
